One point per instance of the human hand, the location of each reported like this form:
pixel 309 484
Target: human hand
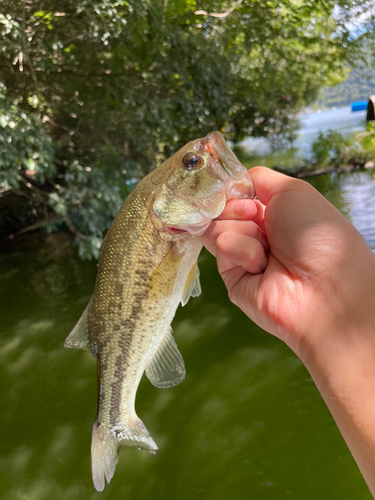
pixel 298 268
pixel 308 274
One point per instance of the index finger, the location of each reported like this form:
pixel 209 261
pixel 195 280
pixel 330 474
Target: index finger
pixel 243 209
pixel 239 209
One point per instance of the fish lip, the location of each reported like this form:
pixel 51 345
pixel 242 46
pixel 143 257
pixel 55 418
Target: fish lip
pixel 222 170
pixel 243 188
pixel 226 167
pixel 175 231
pixel 219 170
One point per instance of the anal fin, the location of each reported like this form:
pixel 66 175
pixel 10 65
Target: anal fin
pixel 167 367
pixel 136 434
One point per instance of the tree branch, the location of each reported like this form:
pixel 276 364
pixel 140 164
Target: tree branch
pixel 213 14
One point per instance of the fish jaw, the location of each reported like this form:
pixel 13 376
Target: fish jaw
pixel 235 189
pixel 224 165
pixel 240 189
pixel 187 218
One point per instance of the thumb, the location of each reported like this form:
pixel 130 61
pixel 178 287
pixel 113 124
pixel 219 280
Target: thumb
pixel 268 183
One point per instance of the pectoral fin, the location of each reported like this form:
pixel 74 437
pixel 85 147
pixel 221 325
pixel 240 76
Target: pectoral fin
pixel 167 367
pixel 192 286
pixel 78 338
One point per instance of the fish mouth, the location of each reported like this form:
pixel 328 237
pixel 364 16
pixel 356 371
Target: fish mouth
pixel 222 155
pixel 241 189
pixel 227 169
pixel 175 231
pixel 188 229
pixel 225 166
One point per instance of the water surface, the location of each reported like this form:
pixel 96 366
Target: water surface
pixel 247 422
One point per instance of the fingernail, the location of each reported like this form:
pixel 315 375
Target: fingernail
pixel 243 208
pixel 239 207
pixel 249 210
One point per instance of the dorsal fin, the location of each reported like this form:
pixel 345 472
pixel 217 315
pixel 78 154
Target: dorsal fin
pixel 78 338
pixel 192 286
pixel 167 367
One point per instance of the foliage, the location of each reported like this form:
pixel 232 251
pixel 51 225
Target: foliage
pixel 26 154
pixel 327 148
pixel 25 147
pixel 362 148
pixel 109 88
pixel 87 202
pixel 331 149
pixel 357 86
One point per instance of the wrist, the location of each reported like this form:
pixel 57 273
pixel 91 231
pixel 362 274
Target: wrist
pixel 342 320
pixel 343 368
pixel 343 359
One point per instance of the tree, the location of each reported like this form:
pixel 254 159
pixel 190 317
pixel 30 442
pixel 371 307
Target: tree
pixel 108 88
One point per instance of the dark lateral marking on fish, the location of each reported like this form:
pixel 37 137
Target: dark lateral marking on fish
pixel 118 288
pixel 196 180
pixel 121 366
pixel 99 386
pixel 122 361
pixel 143 274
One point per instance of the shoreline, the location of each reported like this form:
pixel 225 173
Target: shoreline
pixel 303 172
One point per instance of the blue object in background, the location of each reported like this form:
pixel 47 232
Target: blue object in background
pixel 358 106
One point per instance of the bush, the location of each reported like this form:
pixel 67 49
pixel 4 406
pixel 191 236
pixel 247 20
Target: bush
pixel 327 149
pixel 331 149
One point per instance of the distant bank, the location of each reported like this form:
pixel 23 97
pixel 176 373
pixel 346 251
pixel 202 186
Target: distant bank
pixel 340 119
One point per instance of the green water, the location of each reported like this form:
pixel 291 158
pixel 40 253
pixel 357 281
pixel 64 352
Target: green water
pixel 247 422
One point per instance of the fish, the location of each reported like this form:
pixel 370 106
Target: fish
pixel 147 266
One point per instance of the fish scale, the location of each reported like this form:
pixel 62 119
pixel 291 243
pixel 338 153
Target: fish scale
pixel 123 334
pixel 147 266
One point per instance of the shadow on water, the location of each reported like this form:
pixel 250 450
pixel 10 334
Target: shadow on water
pixel 247 422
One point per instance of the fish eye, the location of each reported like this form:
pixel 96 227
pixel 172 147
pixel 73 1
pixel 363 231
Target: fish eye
pixel 192 161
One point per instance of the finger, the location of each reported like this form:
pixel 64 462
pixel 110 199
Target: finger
pixel 268 183
pixel 247 228
pixel 259 216
pixel 248 294
pixel 245 294
pixel 237 250
pixel 243 209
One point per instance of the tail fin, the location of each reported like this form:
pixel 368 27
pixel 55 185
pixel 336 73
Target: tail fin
pixel 104 455
pixel 104 448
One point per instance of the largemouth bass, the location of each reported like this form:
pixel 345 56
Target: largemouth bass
pixel 147 266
